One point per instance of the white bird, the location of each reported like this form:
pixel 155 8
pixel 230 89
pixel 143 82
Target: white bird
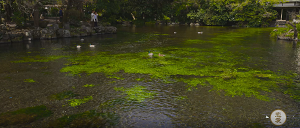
pixel 150 54
pixel 92 45
pixel 78 46
pixel 81 39
pixel 267 117
pixel 200 32
pixel 175 32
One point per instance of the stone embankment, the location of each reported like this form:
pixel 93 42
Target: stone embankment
pixel 10 34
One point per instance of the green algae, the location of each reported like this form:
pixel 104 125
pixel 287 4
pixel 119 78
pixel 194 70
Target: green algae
pixel 64 95
pixel 213 65
pixel 89 118
pixel 29 80
pixel 77 102
pixel 38 59
pixel 88 85
pixel 24 116
pixel 216 67
pixel 137 93
pixel 181 98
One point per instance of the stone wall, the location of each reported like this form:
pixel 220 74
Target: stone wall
pixel 52 31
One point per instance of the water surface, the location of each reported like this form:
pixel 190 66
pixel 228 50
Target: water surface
pixel 225 77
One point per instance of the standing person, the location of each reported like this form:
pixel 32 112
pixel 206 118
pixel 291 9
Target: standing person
pixel 60 14
pixel 92 18
pixel 95 19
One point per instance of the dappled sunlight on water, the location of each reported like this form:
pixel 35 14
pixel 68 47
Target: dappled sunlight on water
pixel 225 77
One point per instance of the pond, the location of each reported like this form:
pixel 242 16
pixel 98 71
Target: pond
pixel 223 77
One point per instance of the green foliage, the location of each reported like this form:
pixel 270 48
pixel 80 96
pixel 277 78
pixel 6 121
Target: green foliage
pixel 77 102
pixel 18 18
pixel 54 11
pixel 64 95
pixel 29 80
pixel 73 16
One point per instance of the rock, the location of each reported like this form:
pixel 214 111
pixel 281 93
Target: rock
pixel 126 23
pixel 36 33
pixel 27 35
pixel 55 27
pixel 110 30
pixel 67 26
pixel 43 24
pixel 191 24
pixel 197 24
pixel 99 30
pixel 47 34
pixel 63 33
pixel 12 25
pixel 74 32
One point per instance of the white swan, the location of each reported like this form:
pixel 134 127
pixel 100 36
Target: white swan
pixel 92 46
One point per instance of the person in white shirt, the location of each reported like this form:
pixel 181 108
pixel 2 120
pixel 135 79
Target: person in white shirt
pixel 95 19
pixel 92 17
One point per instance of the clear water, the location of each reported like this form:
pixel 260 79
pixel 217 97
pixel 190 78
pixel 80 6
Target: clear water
pixel 173 105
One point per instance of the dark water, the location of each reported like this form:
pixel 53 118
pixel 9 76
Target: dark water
pixel 197 108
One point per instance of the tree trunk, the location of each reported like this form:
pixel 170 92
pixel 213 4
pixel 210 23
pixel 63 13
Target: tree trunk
pixel 8 12
pixel 36 16
pixel 295 30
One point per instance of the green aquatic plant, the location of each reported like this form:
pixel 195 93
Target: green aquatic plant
pixel 213 65
pixel 181 98
pixel 24 116
pixel 89 118
pixel 63 95
pixel 29 80
pixel 88 85
pixel 38 59
pixel 137 93
pixel 77 102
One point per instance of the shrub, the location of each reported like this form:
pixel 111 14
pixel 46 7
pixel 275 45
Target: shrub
pixel 18 18
pixel 73 17
pixel 54 11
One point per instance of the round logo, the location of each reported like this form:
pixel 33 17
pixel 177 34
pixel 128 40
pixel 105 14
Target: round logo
pixel 278 117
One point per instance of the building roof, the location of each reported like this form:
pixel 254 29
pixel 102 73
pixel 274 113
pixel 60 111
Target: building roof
pixel 288 4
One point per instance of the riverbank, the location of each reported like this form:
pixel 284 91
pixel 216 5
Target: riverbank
pixel 10 33
pixel 286 33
